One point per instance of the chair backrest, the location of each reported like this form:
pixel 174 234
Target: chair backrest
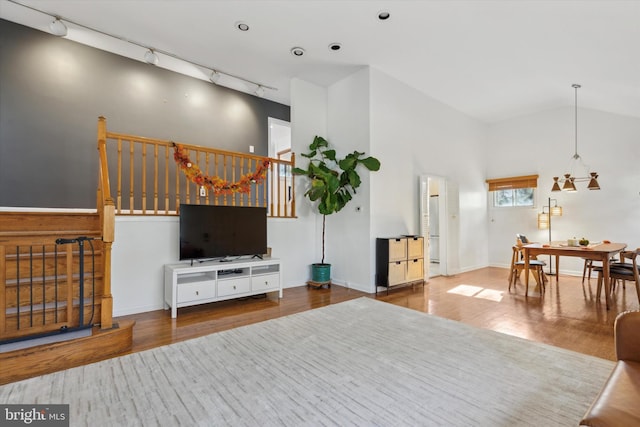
pixel 522 238
pixel 632 255
pixel 625 269
pixel 517 259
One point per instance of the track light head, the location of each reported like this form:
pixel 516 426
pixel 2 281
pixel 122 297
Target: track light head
pixel 58 28
pixel 151 57
pixel 214 77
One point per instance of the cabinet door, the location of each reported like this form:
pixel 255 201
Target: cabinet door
pixel 397 272
pixel 397 249
pixel 196 291
pixel 415 247
pixel 265 282
pixel 233 286
pixel 415 269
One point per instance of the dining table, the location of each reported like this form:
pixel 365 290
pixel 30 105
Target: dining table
pixel 599 251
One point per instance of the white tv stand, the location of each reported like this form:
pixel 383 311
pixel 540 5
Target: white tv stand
pixel 186 284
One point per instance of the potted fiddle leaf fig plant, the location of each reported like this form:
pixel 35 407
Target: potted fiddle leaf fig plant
pixel 333 182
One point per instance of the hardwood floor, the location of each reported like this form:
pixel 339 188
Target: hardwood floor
pixel 566 316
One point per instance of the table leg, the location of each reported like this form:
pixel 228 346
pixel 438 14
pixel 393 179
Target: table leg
pixel 557 268
pixel 605 277
pixel 526 272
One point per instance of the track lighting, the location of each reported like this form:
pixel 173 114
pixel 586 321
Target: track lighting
pixel 151 57
pixel 58 28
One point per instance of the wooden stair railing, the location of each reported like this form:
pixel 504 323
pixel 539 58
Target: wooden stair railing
pixel 148 181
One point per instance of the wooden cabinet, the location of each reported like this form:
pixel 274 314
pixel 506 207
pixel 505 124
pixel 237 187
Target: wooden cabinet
pixel 186 284
pixel 399 260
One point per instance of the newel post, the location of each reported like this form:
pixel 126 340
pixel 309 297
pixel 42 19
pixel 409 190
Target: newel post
pixel 106 210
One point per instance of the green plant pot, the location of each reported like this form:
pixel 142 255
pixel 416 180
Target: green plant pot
pixel 321 273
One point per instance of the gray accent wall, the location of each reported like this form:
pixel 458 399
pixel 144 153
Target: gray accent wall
pixel 52 91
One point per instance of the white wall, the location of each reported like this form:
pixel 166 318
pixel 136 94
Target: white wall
pixel 543 143
pixel 413 134
pixel 348 231
pixel 142 245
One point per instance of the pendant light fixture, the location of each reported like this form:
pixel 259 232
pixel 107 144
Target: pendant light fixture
pixel 569 179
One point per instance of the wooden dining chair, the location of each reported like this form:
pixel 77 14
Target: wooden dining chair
pixel 623 271
pixel 517 265
pixel 589 267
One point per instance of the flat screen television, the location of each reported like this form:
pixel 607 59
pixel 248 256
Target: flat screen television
pixel 222 231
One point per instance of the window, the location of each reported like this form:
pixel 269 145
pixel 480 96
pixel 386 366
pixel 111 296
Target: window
pixel 517 197
pixel 515 191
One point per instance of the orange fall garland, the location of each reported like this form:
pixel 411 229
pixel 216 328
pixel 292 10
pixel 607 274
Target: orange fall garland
pixel 218 185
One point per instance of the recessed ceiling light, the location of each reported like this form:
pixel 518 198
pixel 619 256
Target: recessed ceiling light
pixel 297 51
pixel 383 15
pixel 242 26
pixel 335 46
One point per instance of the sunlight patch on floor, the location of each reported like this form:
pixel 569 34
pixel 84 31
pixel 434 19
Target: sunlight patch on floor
pixel 477 292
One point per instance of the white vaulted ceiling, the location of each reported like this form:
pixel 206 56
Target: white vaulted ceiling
pixel 491 59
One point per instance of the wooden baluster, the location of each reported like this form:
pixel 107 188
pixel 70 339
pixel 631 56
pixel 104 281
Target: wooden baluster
pixel 285 186
pixel 224 175
pixel 166 179
pixel 256 188
pixel 187 187
pixel 131 176
pixel 155 179
pixel 119 196
pixel 177 188
pixel 272 188
pixel 215 172
pixel 206 172
pixel 233 178
pixel 279 195
pixel 197 187
pixel 144 178
pixel 242 172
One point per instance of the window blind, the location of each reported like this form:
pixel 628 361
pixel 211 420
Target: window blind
pixel 527 181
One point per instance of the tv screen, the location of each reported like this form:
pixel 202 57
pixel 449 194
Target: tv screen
pixel 222 231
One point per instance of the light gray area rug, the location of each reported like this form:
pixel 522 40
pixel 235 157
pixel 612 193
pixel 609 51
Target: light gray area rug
pixel 357 363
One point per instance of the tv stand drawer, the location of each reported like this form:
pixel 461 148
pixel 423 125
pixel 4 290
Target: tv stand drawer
pixel 196 291
pixel 265 282
pixel 234 286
